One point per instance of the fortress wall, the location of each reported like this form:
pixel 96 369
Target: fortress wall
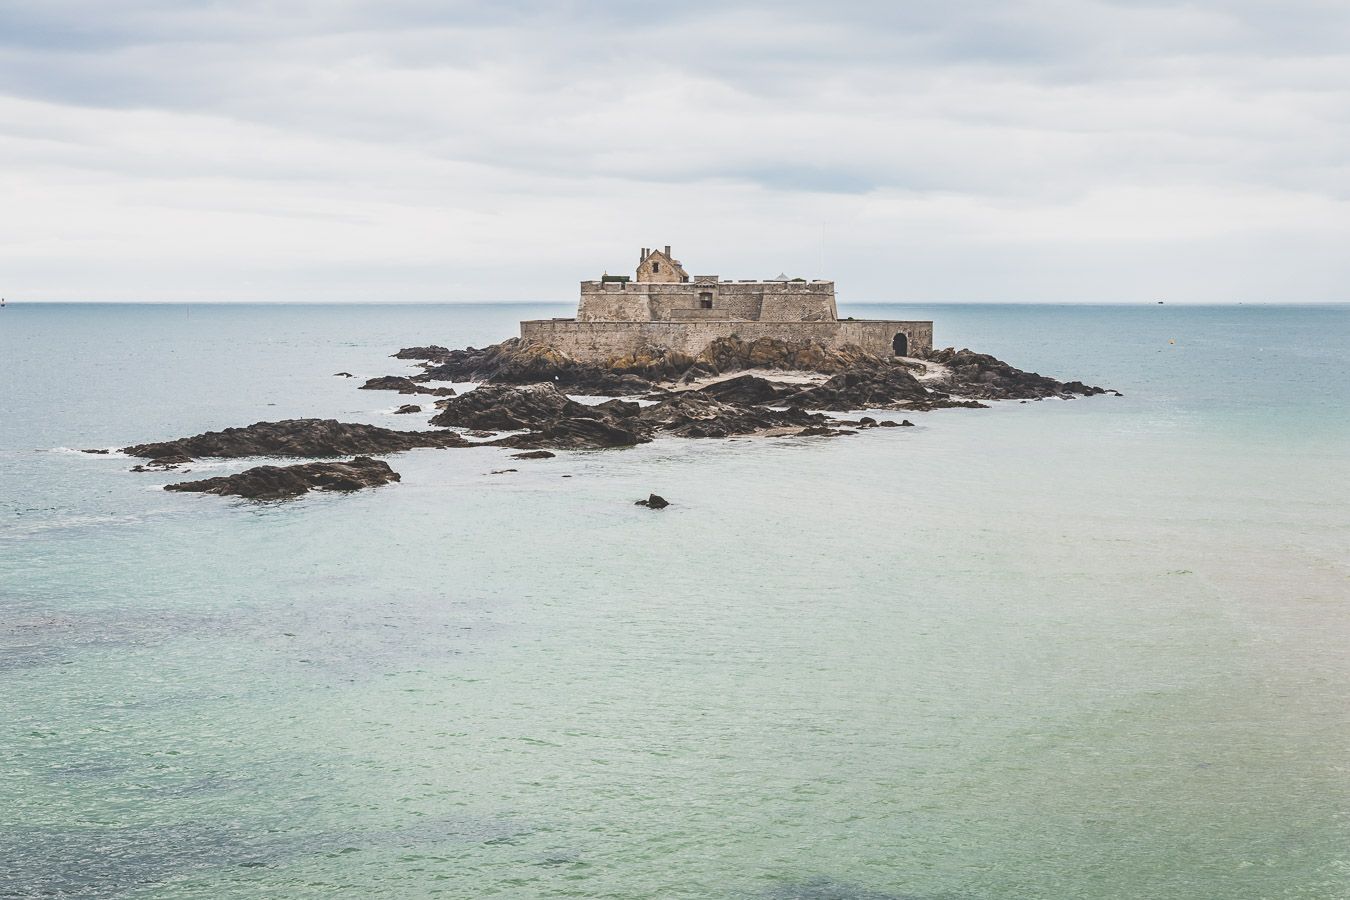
pixel 603 341
pixel 811 302
pixel 875 335
pixel 613 301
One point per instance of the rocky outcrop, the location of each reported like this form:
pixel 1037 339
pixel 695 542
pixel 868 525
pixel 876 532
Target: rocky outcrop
pixel 751 389
pixel 693 414
pixel 824 431
pixel 653 501
pixel 578 434
pixel 979 375
pixel 525 362
pixel 283 482
pixel 428 353
pixel 407 409
pixel 404 385
pixel 866 387
pixel 510 407
pixel 523 387
pixel 296 438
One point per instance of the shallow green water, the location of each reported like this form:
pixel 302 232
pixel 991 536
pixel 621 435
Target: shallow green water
pixel 1091 649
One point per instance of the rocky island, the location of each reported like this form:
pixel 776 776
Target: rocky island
pixel 713 373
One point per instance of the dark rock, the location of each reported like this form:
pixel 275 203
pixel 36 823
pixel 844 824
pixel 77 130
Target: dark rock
pixel 869 387
pixel 867 422
pixel 280 482
pixel 524 362
pixel 433 352
pixel 982 376
pixel 748 389
pixel 622 408
pixel 556 420
pixel 297 438
pixel 407 408
pixel 694 414
pixel 502 471
pixel 482 434
pixel 888 423
pixel 404 385
pixel 175 459
pixel 534 454
pixel 823 431
pixel 510 407
pixel 96 451
pixel 163 464
pixel 653 501
pixel 577 434
pixel 343 375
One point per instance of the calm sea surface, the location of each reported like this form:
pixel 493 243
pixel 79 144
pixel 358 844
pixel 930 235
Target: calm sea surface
pixel 1088 649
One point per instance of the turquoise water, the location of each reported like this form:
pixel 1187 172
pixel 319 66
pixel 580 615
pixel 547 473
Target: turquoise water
pixel 1093 649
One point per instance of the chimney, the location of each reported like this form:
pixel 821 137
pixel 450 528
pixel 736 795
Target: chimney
pixel 667 251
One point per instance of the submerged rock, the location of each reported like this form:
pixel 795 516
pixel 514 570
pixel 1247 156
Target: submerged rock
pixel 281 482
pixel 653 501
pixel 297 438
pixel 407 408
pixel 534 454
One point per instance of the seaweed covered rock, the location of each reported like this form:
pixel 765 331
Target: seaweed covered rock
pixel 297 438
pixel 282 482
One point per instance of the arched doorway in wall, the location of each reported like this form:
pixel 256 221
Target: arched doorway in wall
pixel 900 344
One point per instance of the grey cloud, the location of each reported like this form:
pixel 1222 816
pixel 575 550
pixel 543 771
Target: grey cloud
pixel 943 117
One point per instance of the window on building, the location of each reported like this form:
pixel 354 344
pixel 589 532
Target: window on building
pixel 705 301
pixel 656 267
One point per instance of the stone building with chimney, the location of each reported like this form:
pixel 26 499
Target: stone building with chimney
pixel 663 306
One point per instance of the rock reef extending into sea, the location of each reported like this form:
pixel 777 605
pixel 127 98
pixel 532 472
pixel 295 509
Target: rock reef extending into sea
pixel 284 482
pixel 734 387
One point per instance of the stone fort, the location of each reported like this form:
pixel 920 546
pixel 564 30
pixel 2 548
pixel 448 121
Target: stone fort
pixel 662 306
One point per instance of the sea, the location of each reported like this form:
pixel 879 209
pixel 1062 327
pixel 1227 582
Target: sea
pixel 1096 648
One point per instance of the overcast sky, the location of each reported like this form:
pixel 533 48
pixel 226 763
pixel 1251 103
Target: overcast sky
pixel 1007 150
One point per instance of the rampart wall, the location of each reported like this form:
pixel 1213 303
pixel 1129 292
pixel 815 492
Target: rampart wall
pixel 809 301
pixel 603 341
